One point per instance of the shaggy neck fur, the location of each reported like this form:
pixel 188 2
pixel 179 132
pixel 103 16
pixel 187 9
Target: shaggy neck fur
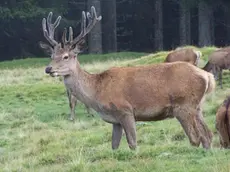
pixel 81 84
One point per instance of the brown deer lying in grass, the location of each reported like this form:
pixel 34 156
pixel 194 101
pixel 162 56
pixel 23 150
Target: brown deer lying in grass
pixel 184 54
pixel 223 123
pixel 123 95
pixel 217 61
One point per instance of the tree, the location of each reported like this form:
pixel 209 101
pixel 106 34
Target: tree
pixel 185 20
pixel 95 36
pixel 205 12
pixel 158 41
pixel 227 23
pixel 12 3
pixel 109 26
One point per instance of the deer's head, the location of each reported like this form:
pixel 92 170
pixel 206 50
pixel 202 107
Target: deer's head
pixel 64 54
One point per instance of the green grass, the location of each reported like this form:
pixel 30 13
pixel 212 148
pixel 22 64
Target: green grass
pixel 35 134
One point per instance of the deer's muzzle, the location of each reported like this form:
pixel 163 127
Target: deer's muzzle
pixel 48 69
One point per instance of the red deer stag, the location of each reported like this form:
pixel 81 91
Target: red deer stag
pixel 124 95
pixel 184 54
pixel 223 123
pixel 72 99
pixel 217 61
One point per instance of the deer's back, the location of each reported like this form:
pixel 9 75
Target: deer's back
pixel 220 58
pixel 155 85
pixel 186 55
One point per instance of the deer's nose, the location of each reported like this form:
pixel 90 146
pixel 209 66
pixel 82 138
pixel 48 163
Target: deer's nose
pixel 48 69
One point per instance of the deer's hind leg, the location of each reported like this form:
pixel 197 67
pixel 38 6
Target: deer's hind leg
pixel 220 78
pixel 187 120
pixel 204 132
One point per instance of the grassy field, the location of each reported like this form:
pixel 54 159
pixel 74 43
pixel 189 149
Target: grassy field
pixel 35 134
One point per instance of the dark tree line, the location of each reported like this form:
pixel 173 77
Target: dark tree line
pixel 127 25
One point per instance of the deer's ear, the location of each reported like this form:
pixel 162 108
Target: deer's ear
pixel 47 48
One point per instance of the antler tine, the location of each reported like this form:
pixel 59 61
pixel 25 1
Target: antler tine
pixel 49 34
pixel 45 32
pixel 70 34
pixel 49 20
pixel 57 22
pixel 93 19
pixel 64 37
pixel 83 24
pixel 64 41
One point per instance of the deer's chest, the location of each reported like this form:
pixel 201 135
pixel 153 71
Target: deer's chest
pixel 70 86
pixel 106 115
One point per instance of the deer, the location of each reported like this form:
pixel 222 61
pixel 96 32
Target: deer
pixel 218 61
pixel 124 95
pixel 184 54
pixel 223 123
pixel 71 98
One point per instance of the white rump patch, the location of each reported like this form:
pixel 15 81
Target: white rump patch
pixel 198 55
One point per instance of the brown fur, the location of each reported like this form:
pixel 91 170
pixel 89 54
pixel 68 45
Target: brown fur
pixel 218 61
pixel 185 54
pixel 124 95
pixel 223 123
pixel 72 104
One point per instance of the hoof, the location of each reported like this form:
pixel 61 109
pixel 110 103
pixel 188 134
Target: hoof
pixel 71 119
pixel 90 115
pixel 132 147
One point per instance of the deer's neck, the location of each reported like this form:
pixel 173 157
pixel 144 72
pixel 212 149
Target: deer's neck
pixel 82 85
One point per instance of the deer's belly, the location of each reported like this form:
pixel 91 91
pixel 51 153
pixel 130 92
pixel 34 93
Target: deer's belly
pixel 108 118
pixel 154 114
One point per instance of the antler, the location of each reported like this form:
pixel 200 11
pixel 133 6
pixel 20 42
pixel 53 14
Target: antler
pixel 93 19
pixel 70 39
pixel 49 34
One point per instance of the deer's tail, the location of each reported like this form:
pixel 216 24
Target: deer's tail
pixel 198 56
pixel 211 83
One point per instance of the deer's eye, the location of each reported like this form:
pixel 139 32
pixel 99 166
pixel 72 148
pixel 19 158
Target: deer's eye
pixel 65 57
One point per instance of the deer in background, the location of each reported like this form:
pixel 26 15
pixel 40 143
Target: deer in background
pixel 72 104
pixel 223 123
pixel 124 95
pixel 71 98
pixel 184 54
pixel 218 61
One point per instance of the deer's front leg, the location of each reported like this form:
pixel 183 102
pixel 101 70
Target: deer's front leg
pixel 220 79
pixel 89 112
pixel 116 135
pixel 128 123
pixel 72 105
